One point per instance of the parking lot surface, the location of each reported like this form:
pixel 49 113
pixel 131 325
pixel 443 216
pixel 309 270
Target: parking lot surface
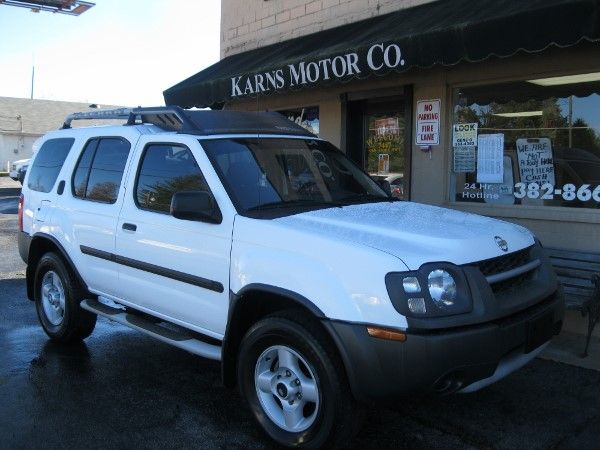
pixel 121 389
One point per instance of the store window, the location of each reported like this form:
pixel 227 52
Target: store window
pixel 531 142
pixel 307 117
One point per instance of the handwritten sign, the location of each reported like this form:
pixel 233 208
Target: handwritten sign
pixel 428 122
pixel 536 163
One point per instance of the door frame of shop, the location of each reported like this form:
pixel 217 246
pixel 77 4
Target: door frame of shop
pixel 355 105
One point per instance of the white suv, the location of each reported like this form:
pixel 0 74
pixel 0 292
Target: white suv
pixel 243 238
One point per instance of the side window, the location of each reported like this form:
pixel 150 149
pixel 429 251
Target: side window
pixel 47 164
pixel 82 171
pixel 100 169
pixel 164 170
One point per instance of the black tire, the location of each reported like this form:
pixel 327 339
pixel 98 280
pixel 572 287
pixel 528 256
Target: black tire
pixel 66 322
pixel 335 417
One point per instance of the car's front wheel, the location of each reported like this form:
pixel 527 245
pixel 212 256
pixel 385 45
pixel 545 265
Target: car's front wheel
pixel 295 383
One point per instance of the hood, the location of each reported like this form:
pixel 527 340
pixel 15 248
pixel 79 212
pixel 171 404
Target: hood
pixel 415 233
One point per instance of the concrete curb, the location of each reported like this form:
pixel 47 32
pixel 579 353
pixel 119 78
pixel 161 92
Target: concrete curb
pixel 568 347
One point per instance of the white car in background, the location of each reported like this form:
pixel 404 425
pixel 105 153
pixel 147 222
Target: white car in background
pixel 18 168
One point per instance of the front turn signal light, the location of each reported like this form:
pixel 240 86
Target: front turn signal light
pixel 387 334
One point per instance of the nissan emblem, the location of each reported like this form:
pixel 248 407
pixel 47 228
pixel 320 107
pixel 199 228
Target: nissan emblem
pixel 501 243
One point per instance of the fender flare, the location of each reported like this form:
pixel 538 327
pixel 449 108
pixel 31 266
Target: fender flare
pixel 269 289
pixel 32 265
pixel 236 328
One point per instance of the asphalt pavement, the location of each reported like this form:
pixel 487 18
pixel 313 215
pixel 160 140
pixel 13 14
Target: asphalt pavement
pixel 121 389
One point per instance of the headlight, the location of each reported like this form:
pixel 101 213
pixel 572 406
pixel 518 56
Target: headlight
pixel 411 285
pixel 435 290
pixel 442 288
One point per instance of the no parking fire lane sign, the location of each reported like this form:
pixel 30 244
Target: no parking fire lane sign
pixel 428 122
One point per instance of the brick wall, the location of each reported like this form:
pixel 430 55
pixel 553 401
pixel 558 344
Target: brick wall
pixel 248 24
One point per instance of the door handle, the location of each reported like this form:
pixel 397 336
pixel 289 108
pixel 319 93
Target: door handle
pixel 129 226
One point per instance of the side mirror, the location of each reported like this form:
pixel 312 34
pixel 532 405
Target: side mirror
pixel 195 205
pixel 383 184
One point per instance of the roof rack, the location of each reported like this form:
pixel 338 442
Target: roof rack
pixel 170 118
pixel 198 122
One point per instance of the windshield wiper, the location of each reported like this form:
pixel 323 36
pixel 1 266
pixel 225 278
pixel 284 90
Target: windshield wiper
pixel 369 198
pixel 292 203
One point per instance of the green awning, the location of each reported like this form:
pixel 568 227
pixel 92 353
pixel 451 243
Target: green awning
pixel 444 32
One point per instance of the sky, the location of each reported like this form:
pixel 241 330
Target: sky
pixel 119 52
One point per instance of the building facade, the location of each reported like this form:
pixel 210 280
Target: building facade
pixel 247 25
pixel 489 107
pixel 24 120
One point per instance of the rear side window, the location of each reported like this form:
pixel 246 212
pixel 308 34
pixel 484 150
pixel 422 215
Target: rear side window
pixel 47 164
pixel 166 169
pixel 100 168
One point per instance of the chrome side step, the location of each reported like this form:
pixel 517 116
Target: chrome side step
pixel 171 336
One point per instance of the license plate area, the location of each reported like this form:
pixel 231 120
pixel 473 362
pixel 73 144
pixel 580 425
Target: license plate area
pixel 539 330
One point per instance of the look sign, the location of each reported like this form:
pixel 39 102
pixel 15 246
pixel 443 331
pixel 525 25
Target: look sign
pixel 378 58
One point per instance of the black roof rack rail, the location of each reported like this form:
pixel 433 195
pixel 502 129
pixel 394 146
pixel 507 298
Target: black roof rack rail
pixel 171 118
pixel 121 113
pixel 198 122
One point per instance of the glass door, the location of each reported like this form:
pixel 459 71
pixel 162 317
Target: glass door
pixel 378 135
pixel 384 149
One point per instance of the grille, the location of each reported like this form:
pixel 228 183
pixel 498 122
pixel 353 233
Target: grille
pixel 511 283
pixel 505 263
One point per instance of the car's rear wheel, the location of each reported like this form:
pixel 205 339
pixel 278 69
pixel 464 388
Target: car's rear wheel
pixel 295 383
pixel 57 297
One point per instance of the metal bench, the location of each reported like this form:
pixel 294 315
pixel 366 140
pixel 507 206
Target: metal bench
pixel 579 274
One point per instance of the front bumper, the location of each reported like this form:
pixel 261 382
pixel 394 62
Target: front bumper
pixel 446 360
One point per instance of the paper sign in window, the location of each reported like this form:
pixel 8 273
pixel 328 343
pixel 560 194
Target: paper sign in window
pixel 490 163
pixel 464 160
pixel 464 135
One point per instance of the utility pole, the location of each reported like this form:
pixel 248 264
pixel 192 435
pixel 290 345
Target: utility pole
pixel 32 79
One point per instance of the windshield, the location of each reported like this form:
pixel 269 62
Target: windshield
pixel 277 173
